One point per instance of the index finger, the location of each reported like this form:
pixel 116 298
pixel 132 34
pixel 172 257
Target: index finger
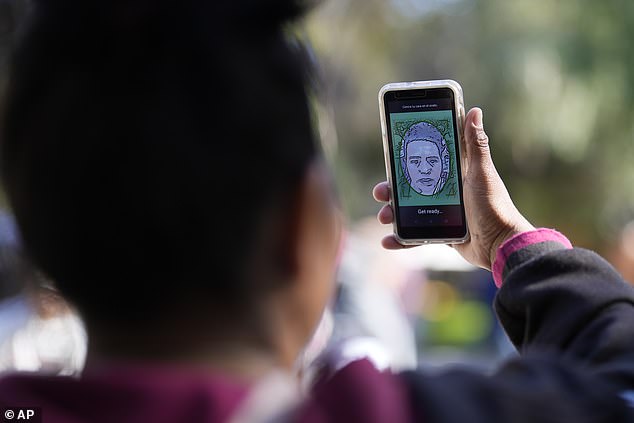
pixel 381 192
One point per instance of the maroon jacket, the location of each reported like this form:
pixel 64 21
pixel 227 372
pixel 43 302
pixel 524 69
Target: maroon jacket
pixel 123 394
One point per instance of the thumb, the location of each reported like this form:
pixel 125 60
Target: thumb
pixel 476 140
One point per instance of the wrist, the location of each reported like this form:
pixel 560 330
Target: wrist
pixel 507 233
pixel 523 247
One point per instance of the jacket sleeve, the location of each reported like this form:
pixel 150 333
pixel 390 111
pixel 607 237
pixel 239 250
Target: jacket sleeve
pixel 571 316
pixel 574 305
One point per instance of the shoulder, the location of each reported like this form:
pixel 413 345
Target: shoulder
pixel 358 392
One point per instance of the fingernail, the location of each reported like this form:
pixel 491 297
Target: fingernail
pixel 477 119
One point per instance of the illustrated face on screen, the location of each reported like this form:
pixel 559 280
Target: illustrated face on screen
pixel 425 159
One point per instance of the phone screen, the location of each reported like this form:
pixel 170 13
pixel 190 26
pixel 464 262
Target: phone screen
pixel 425 163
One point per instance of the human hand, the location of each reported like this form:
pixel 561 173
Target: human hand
pixel 491 215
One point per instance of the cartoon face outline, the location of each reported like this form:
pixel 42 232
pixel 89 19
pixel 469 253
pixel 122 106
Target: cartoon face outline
pixel 425 159
pixel 423 166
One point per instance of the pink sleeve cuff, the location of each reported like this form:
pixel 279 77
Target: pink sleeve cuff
pixel 521 241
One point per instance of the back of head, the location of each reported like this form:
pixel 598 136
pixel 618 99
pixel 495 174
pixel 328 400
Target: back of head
pixel 147 145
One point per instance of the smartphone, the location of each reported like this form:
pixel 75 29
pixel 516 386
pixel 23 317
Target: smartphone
pixel 422 126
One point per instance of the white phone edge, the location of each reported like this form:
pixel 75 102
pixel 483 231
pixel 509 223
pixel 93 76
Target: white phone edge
pixel 460 113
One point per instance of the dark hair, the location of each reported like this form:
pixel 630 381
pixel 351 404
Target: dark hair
pixel 123 124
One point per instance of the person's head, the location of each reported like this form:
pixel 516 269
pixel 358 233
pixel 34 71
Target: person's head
pixel 122 128
pixel 425 159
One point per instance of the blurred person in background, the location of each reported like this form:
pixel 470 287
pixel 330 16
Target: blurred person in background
pixel 163 168
pixel 38 330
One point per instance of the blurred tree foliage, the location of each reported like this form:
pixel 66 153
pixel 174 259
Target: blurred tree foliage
pixel 555 80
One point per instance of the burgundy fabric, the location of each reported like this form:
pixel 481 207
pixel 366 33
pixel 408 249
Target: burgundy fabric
pixel 125 394
pixel 133 394
pixel 358 393
pixel 520 241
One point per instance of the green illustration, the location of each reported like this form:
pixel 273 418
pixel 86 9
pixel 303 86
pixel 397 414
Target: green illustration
pixel 425 158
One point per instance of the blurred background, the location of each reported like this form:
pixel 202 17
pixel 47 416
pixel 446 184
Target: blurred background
pixel 555 80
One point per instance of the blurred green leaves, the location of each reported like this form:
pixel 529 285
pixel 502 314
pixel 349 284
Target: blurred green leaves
pixel 554 78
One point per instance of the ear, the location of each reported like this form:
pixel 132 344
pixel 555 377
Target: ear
pixel 314 221
pixel 314 239
pixel 296 233
pixel 312 234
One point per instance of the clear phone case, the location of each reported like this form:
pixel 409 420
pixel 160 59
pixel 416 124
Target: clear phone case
pixel 460 113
